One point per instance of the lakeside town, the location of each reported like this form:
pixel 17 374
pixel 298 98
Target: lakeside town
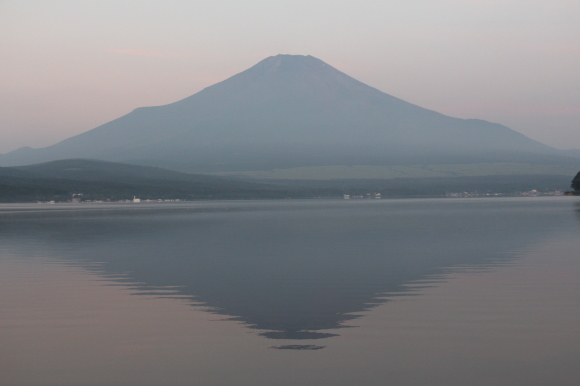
pixel 77 199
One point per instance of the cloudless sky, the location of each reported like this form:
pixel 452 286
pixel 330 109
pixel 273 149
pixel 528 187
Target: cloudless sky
pixel 69 66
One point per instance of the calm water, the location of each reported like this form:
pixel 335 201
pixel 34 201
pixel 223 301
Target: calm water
pixel 359 292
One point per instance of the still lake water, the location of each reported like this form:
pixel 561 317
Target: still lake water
pixel 301 292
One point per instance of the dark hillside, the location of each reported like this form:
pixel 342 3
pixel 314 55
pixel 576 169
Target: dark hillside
pixel 576 182
pixel 440 186
pixel 98 180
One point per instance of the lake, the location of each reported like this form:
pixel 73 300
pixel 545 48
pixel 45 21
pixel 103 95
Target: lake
pixel 291 292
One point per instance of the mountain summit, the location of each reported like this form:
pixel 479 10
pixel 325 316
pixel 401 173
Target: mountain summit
pixel 288 111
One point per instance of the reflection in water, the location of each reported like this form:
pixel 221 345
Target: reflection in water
pixel 289 269
pixel 298 347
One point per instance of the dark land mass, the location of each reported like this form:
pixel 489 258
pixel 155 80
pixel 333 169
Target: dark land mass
pixel 437 186
pixel 576 183
pixel 99 180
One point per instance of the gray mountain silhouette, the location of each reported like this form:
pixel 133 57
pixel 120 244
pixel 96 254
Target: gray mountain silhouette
pixel 288 111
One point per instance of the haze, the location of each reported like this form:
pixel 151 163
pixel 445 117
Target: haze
pixel 69 66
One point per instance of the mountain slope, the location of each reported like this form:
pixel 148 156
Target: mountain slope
pixel 289 111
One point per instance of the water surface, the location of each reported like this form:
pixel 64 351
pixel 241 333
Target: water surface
pixel 465 291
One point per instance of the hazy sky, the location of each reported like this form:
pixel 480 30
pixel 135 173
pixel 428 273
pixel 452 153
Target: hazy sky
pixel 69 66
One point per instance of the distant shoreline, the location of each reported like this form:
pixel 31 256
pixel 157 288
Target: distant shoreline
pixel 335 198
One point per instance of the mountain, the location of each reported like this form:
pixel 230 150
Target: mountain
pixel 100 180
pixel 290 111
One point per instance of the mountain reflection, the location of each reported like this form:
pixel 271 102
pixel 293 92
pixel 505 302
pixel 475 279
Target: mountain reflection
pixel 289 269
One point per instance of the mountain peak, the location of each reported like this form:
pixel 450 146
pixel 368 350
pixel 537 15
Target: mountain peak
pixel 284 63
pixel 291 59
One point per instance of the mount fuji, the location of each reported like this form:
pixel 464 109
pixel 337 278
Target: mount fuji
pixel 290 111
